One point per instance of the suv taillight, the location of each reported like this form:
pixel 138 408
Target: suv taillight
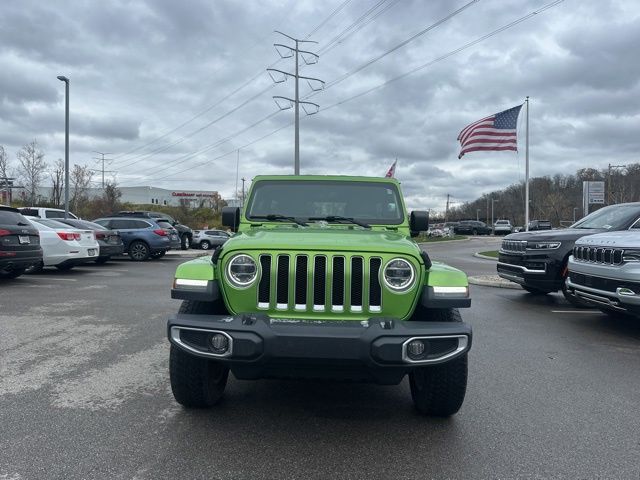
pixel 4 233
pixel 68 236
pixel 160 232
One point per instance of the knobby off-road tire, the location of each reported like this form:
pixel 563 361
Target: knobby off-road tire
pixel 439 390
pixel 196 382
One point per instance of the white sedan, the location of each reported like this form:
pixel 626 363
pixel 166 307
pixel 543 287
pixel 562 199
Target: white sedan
pixel 64 247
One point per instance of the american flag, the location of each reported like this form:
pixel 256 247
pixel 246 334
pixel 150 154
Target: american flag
pixel 495 132
pixel 392 170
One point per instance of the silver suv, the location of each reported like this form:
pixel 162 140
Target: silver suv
pixel 604 270
pixel 206 239
pixel 502 227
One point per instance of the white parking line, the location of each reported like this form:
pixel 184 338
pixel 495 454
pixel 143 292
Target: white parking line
pixel 577 311
pixel 53 278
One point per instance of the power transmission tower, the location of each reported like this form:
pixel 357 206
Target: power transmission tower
pixel 309 58
pixel 103 160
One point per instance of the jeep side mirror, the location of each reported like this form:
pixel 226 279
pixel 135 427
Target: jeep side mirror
pixel 231 217
pixel 419 222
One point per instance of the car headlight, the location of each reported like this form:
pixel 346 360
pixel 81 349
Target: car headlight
pixel 631 256
pixel 242 270
pixel 543 245
pixel 398 274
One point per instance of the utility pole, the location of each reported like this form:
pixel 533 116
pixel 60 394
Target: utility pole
pixel 446 210
pixel 102 159
pixel 243 180
pixel 309 58
pixel 609 192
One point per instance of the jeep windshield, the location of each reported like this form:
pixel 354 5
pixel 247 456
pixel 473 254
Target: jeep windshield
pixel 613 217
pixel 360 202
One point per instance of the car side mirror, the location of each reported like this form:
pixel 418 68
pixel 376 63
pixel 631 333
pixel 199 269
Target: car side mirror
pixel 231 217
pixel 418 222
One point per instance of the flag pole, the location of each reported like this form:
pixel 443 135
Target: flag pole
pixel 526 186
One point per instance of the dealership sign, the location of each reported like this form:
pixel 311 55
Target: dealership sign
pixel 193 194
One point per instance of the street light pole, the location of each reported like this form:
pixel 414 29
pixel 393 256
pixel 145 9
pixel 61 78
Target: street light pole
pixel 574 214
pixel 493 228
pixel 477 214
pixel 66 144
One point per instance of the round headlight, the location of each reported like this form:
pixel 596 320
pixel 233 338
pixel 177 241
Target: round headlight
pixel 398 274
pixel 242 270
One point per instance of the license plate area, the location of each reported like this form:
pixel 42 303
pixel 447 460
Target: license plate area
pixel 23 239
pixel 92 252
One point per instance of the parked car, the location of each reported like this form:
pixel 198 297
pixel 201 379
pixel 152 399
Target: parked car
pixel 472 227
pixel 19 243
pixel 143 238
pixel 604 271
pixel 539 225
pixel 538 260
pixel 109 240
pixel 44 212
pixel 206 239
pixel 502 227
pixel 186 234
pixel 174 236
pixel 63 247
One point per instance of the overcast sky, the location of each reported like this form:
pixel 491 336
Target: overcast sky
pixel 141 69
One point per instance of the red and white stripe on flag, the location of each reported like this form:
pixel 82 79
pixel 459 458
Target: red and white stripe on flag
pixel 495 132
pixel 392 170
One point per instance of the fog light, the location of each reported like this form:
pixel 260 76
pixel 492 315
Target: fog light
pixel 219 343
pixel 415 349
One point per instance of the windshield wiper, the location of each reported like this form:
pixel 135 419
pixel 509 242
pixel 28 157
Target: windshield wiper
pixel 339 219
pixel 276 217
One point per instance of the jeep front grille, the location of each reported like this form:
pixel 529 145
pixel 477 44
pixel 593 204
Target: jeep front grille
pixel 602 255
pixel 320 283
pixel 517 246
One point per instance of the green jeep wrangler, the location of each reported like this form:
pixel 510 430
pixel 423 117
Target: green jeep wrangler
pixel 321 280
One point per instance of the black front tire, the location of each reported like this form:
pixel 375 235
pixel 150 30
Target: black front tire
pixel 535 291
pixel 185 242
pixel 439 390
pixel 205 245
pixel 474 232
pixel 139 251
pixel 196 382
pixel 14 273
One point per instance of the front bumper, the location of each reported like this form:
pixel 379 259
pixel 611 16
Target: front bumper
pixel 615 288
pixel 533 270
pixel 375 350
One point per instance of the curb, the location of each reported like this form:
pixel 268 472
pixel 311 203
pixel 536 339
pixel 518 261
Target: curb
pixel 492 281
pixel 486 257
pixel 189 253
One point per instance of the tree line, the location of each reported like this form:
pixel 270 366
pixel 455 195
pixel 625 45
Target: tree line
pixel 557 198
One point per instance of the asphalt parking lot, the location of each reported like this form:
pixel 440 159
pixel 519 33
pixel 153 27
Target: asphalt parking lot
pixel 84 393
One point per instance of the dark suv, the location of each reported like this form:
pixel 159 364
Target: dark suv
pixel 185 233
pixel 538 260
pixel 142 237
pixel 19 243
pixel 472 227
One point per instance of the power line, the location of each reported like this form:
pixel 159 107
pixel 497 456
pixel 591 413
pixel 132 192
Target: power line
pixel 382 85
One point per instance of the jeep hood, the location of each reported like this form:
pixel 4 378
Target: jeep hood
pixel 628 239
pixel 567 234
pixel 323 239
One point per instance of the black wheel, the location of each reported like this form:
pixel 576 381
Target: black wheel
pixel 64 268
pixel 138 251
pixel 439 390
pixel 158 254
pixel 196 382
pixel 205 245
pixel 185 243
pixel 37 268
pixel 535 291
pixel 102 260
pixel 13 273
pixel 474 232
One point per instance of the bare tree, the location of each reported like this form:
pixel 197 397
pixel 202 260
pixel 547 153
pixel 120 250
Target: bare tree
pixel 80 180
pixel 32 168
pixel 4 176
pixel 57 183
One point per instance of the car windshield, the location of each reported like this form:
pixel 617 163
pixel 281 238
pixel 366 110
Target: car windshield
pixel 613 217
pixel 369 202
